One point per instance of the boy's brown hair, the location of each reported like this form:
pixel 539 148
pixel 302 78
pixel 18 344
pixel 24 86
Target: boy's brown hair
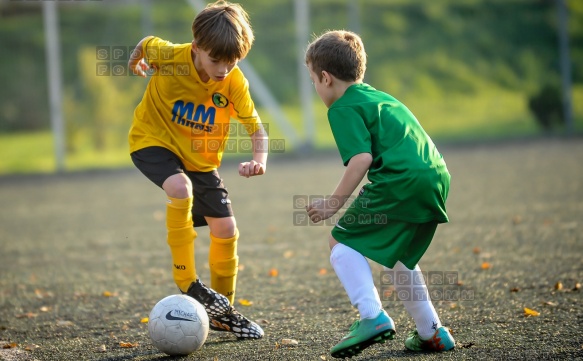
pixel 340 53
pixel 223 28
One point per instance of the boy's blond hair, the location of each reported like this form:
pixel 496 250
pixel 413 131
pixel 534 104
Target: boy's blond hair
pixel 340 53
pixel 223 29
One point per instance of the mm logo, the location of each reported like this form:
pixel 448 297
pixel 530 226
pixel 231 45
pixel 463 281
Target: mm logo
pixel 220 101
pixel 186 114
pixel 180 267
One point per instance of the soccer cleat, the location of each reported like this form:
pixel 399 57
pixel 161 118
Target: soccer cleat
pixel 364 333
pixel 440 341
pixel 223 316
pixel 236 323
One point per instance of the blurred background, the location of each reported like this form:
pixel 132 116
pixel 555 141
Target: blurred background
pixel 470 70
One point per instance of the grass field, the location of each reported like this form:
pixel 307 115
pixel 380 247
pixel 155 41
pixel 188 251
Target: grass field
pixel 451 120
pixel 84 259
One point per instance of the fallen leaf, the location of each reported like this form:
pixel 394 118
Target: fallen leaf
pixel 529 312
pixel 288 254
pixel 577 287
pixel 31 347
pixel 486 265
pixel 549 303
pixel 558 286
pixel 262 322
pixel 516 219
pixel 453 305
pixel 64 323
pixel 43 294
pixel 514 289
pixel 45 309
pixel 477 250
pixel 322 271
pixel 273 272
pixel 159 215
pixel 127 344
pixel 27 315
pixel 10 345
pixel 289 342
pixel 101 348
pixel 144 320
pixel 322 357
pixel 107 294
pixel 244 302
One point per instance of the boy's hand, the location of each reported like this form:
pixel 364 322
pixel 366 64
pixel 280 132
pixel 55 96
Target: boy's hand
pixel 250 169
pixel 321 209
pixel 139 68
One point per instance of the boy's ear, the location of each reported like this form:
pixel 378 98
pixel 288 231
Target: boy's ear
pixel 194 47
pixel 326 78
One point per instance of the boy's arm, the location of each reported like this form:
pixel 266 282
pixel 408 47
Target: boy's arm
pixel 355 171
pixel 258 165
pixel 136 63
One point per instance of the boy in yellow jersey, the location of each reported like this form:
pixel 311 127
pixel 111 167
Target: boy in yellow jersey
pixel 177 139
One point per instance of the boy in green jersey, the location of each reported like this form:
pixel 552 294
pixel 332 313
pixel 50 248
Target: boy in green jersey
pixel 394 217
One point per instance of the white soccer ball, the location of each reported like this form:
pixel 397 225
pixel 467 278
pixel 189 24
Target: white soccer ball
pixel 178 325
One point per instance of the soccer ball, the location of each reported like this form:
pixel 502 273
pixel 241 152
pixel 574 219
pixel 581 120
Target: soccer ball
pixel 178 325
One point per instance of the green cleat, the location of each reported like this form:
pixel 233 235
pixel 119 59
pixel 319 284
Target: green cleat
pixel 364 333
pixel 440 341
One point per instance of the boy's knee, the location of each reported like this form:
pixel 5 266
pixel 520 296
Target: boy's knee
pixel 332 242
pixel 223 227
pixel 178 186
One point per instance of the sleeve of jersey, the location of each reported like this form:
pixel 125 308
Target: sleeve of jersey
pixel 350 132
pixel 158 52
pixel 243 107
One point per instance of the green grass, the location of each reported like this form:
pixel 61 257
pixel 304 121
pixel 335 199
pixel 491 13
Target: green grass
pixel 35 153
pixel 495 114
pixel 27 152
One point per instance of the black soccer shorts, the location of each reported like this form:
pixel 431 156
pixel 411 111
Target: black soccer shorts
pixel 211 198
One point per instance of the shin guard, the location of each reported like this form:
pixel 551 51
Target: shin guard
pixel 181 235
pixel 223 263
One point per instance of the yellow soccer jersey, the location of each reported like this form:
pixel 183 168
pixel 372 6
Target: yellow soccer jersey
pixel 187 116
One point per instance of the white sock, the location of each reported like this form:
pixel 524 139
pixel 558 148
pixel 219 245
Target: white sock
pixel 417 301
pixel 355 274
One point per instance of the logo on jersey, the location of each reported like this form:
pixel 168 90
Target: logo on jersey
pixel 220 101
pixel 199 117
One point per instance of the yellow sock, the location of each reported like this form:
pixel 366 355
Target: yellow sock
pixel 181 235
pixel 223 263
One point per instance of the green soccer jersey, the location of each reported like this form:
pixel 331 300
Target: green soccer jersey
pixel 409 180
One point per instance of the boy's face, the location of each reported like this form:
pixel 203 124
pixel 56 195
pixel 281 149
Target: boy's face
pixel 322 86
pixel 210 68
